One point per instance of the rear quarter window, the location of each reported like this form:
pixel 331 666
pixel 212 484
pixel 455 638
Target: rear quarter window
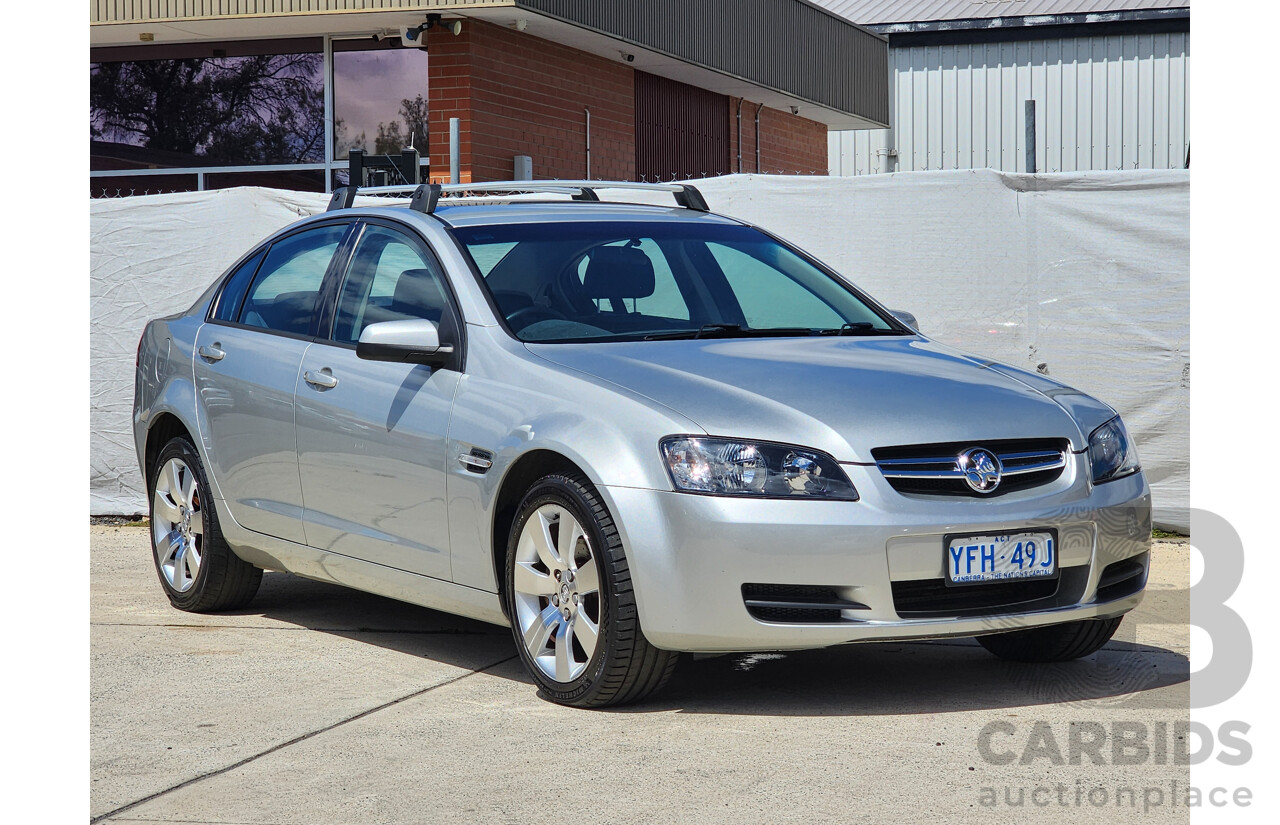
pixel 232 296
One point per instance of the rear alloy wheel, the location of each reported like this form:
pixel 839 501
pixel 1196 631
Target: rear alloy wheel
pixel 1052 643
pixel 177 525
pixel 572 609
pixel 197 569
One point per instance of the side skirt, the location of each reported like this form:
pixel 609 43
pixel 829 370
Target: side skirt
pixel 272 553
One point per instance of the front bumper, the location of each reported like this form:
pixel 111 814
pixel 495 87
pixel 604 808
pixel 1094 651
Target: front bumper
pixel 690 556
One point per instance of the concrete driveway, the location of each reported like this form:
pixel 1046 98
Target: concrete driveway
pixel 323 705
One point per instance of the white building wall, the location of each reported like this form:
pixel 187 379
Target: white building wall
pixel 1116 102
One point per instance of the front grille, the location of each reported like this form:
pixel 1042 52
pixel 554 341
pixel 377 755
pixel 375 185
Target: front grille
pixel 932 469
pixel 796 603
pixel 932 598
pixel 1122 578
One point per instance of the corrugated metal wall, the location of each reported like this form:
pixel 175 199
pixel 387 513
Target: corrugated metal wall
pixel 1115 102
pixel 681 130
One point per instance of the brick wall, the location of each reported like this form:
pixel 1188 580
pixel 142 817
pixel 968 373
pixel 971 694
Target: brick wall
pixel 520 95
pixel 789 144
pixel 516 94
pixel 449 95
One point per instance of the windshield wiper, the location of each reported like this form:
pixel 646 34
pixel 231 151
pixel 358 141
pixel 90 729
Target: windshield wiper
pixel 860 328
pixel 706 330
pixel 730 331
pixel 738 331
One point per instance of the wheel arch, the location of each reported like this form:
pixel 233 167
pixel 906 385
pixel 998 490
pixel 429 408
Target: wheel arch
pixel 164 427
pixel 519 477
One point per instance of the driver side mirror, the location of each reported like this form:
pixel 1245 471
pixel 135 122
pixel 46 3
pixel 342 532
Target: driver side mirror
pixel 906 318
pixel 404 342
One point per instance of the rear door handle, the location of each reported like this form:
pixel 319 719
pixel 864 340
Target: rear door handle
pixel 212 352
pixel 323 379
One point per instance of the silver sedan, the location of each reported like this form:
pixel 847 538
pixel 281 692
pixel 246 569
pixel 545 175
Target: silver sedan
pixel 627 431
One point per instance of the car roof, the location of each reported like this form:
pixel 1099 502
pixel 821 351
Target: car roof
pixel 489 213
pixel 569 211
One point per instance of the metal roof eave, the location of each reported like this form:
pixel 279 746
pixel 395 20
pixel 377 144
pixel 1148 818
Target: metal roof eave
pixel 798 50
pixel 1030 21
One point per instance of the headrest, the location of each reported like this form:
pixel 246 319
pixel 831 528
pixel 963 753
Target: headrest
pixel 418 294
pixel 619 272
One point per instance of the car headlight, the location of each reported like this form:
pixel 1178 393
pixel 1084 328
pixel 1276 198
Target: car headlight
pixel 721 466
pixel 1111 452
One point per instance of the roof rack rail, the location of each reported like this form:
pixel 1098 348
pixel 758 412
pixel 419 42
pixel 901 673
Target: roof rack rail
pixel 425 197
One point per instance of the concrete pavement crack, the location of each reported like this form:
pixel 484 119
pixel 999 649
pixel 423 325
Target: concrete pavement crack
pixel 294 741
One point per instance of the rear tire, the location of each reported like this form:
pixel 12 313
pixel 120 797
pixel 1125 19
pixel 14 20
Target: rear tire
pixel 1052 643
pixel 197 569
pixel 570 600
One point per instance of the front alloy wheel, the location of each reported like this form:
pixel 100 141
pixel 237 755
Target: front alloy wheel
pixel 569 598
pixel 557 593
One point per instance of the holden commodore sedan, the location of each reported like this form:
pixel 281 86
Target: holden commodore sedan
pixel 626 431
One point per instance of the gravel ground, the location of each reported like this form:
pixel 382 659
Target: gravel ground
pixel 117 521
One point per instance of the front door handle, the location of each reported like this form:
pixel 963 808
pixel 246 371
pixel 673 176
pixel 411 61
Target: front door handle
pixel 212 352
pixel 323 379
pixel 476 461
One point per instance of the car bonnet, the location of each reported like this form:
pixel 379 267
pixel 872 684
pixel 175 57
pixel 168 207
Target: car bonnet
pixel 843 395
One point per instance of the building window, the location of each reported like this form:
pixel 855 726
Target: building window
pixel 248 113
pixel 379 99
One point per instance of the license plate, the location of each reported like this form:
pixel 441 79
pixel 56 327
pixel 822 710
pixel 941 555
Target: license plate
pixel 995 558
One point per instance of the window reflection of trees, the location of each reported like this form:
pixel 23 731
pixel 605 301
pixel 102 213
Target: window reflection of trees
pixel 255 109
pixel 391 137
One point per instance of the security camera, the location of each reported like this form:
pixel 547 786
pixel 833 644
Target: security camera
pixel 416 37
pixel 630 58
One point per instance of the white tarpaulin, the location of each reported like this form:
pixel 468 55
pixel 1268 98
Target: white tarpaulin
pixel 1083 277
pixel 153 256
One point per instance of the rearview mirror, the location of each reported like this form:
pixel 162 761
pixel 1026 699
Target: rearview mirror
pixel 403 342
pixel 906 318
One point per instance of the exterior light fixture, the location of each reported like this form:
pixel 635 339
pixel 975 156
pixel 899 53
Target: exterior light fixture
pixel 414 34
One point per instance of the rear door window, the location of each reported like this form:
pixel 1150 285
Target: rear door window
pixel 283 296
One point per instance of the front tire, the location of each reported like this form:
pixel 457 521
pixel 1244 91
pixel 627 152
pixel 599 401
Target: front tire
pixel 570 600
pixel 1052 643
pixel 197 569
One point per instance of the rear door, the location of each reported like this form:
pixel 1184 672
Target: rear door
pixel 246 372
pixel 372 435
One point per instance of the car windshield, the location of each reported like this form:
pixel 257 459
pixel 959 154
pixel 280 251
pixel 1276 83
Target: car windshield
pixel 654 280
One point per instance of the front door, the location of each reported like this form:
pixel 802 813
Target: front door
pixel 371 435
